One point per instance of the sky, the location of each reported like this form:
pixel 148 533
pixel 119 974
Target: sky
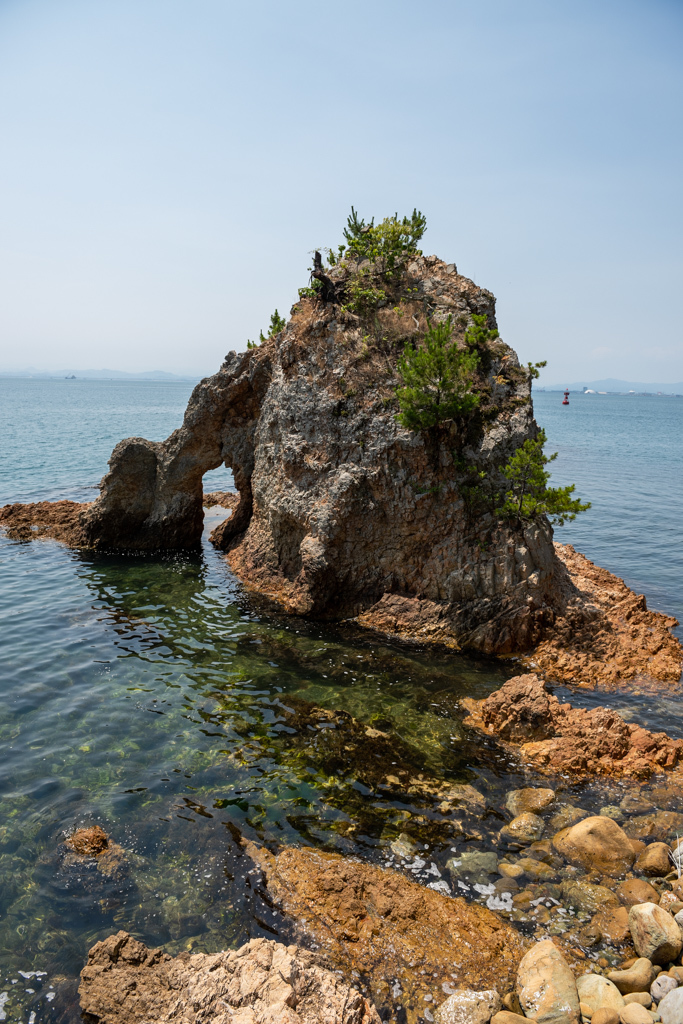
pixel 168 166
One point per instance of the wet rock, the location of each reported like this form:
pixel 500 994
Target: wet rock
pixel 597 844
pixel 559 737
pixel 655 934
pixel 588 897
pixel 88 842
pixel 508 870
pixel 662 984
pixel 124 982
pixel 519 801
pixel 633 803
pixel 635 890
pixel 671 1007
pixel 546 986
pixel 636 978
pixel 475 864
pixel 610 811
pixel 661 825
pixel 467 1006
pixel 378 922
pixel 613 925
pixel 566 816
pixel 56 520
pixel 537 870
pixel 403 846
pixel 653 861
pixel 634 1013
pixel 524 829
pixel 599 993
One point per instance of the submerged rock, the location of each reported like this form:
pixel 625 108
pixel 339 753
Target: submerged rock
pixel 264 982
pixel 401 937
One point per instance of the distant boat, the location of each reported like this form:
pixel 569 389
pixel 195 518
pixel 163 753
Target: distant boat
pixel 72 377
pixel 590 391
pixel 565 400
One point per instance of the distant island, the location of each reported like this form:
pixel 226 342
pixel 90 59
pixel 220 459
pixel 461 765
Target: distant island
pixel 71 374
pixel 613 386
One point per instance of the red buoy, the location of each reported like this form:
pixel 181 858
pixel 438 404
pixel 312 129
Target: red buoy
pixel 565 400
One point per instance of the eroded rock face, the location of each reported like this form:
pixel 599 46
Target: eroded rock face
pixel 406 940
pixel 264 982
pixel 559 737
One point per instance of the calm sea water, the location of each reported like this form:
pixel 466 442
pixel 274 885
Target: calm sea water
pixel 148 696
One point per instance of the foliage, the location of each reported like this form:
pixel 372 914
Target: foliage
pixel 277 324
pixel 528 496
pixel 387 242
pixel 437 380
pixel 534 368
pixel 362 297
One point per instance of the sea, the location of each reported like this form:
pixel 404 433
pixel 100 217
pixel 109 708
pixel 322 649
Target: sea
pixel 150 696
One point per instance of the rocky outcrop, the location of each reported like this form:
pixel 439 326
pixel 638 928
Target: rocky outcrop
pixel 264 982
pixel 53 520
pixel 558 737
pixel 408 942
pixel 603 634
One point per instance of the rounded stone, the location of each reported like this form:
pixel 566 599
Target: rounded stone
pixel 519 801
pixel 610 811
pixel 636 978
pixel 655 934
pixel 605 1016
pixel 661 986
pixel 634 1013
pixel 635 890
pixel 644 998
pixel 598 992
pixel 588 897
pixel 467 1006
pixel 597 844
pixel 671 1007
pixel 654 861
pixel 524 829
pixel 546 986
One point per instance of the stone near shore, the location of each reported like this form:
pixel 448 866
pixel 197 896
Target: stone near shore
pixel 655 933
pixel 636 978
pixel 599 993
pixel 546 986
pixel 264 982
pixel 467 1006
pixel 529 800
pixel 653 861
pixel 596 844
pixel 388 928
pixel 671 1007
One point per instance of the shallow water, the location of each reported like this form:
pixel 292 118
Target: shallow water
pixel 150 696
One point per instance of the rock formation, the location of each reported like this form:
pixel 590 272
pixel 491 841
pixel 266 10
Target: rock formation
pixel 344 513
pixel 558 737
pixel 264 982
pixel 409 942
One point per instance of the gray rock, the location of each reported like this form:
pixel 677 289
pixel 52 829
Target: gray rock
pixel 467 1006
pixel 546 986
pixel 476 864
pixel 671 1007
pixel 661 986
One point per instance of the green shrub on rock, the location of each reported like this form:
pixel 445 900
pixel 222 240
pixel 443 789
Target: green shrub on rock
pixel 528 496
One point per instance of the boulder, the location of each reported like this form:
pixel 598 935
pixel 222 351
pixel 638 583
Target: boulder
pixel 655 934
pixel 653 861
pixel 524 829
pixel 467 1006
pixel 598 992
pixel 518 801
pixel 671 1007
pixel 124 982
pixel 546 986
pixel 613 925
pixel 596 844
pixel 635 890
pixel 636 978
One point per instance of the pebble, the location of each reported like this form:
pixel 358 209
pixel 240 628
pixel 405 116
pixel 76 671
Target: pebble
pixel 598 992
pixel 596 844
pixel 634 1013
pixel 605 1016
pixel 653 861
pixel 519 801
pixel 610 811
pixel 635 890
pixel 636 978
pixel 525 828
pixel 644 998
pixel 661 986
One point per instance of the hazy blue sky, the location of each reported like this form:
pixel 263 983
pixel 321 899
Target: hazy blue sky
pixel 167 166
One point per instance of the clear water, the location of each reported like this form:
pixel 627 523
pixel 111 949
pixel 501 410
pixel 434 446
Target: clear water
pixel 147 695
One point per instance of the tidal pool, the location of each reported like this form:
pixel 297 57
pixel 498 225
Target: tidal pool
pixel 151 696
